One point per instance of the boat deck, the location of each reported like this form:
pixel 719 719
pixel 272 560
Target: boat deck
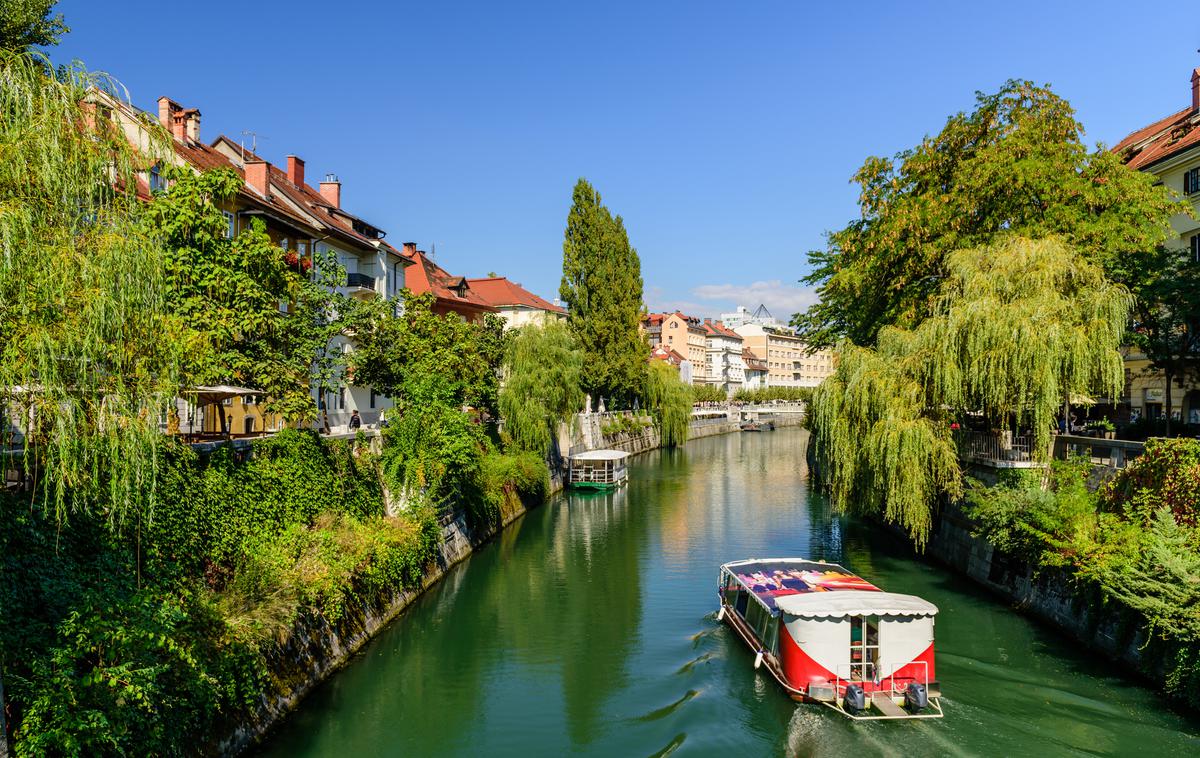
pixel 773 578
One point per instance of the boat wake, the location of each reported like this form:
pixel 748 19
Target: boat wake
pixel 687 667
pixel 667 710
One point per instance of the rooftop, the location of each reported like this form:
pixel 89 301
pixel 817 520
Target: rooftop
pixel 499 292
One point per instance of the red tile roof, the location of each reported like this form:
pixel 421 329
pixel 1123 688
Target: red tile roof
pixel 427 276
pixel 717 329
pixel 752 361
pixel 499 292
pixel 313 202
pixel 668 354
pixel 1164 138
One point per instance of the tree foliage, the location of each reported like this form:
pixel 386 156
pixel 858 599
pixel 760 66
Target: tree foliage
pixel 89 351
pixel 1015 328
pixel 669 401
pixel 421 358
pixel 28 23
pixel 1166 314
pixel 602 288
pixel 1016 164
pixel 542 377
pixel 228 292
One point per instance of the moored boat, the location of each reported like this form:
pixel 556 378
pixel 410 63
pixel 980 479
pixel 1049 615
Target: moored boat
pixel 829 636
pixel 597 469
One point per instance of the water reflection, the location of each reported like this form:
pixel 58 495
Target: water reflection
pixel 587 628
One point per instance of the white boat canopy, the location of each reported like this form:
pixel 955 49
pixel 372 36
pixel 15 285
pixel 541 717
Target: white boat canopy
pixel 854 603
pixel 601 455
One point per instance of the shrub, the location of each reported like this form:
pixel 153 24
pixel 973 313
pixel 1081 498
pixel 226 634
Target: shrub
pixel 1166 475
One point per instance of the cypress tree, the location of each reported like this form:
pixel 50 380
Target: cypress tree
pixel 602 288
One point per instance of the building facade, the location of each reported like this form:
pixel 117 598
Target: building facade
pixel 681 333
pixel 1170 150
pixel 789 363
pixel 723 347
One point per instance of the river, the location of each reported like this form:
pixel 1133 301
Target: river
pixel 588 628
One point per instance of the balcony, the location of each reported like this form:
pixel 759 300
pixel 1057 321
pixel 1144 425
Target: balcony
pixel 1002 450
pixel 360 284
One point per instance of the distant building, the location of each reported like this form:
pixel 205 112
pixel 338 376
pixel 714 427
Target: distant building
pixel 723 348
pixel 1170 150
pixel 755 371
pixel 673 358
pixel 515 304
pixel 683 334
pixel 743 316
pixel 789 363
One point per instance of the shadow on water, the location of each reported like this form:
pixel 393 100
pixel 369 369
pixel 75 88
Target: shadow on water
pixel 569 633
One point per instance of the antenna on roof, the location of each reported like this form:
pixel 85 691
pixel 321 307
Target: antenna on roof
pixel 253 142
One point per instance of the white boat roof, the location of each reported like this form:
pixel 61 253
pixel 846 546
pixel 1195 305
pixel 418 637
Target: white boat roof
pixel 601 455
pixel 854 603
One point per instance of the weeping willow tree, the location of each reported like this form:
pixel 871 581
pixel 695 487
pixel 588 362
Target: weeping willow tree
pixel 1017 327
pixel 669 401
pixel 88 354
pixel 543 367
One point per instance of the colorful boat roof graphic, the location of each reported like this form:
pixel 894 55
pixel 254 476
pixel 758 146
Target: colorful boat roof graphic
pixel 773 578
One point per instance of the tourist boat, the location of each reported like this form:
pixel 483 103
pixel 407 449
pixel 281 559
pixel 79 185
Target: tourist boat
pixel 833 638
pixel 597 469
pixel 758 425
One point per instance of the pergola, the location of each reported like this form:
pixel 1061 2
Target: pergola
pixel 214 395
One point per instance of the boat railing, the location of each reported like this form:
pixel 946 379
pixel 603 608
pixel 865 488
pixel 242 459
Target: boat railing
pixel 877 682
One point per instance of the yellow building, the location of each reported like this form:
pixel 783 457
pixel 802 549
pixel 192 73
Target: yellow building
pixel 1170 150
pixel 787 356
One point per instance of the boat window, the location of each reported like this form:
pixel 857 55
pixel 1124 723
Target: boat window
pixel 864 647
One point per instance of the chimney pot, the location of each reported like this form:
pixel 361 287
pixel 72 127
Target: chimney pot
pixel 331 190
pixel 296 170
pixel 1196 90
pixel 191 120
pixel 258 175
pixel 410 248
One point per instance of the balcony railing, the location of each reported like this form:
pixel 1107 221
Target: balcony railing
pixel 1002 450
pixel 360 280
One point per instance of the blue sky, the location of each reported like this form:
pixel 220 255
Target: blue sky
pixel 724 133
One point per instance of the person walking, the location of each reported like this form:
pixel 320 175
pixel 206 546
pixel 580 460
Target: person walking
pixel 355 420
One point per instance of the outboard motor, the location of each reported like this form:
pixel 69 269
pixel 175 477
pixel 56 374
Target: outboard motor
pixel 855 699
pixel 915 696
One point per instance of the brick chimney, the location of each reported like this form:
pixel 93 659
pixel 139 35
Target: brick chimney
pixel 191 123
pixel 331 189
pixel 410 248
pixel 1196 90
pixel 170 116
pixel 258 176
pixel 296 170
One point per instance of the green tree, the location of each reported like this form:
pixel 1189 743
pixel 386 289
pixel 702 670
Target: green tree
pixel 1015 164
pixel 669 401
pixel 542 375
pixel 89 349
pixel 228 291
pixel 1166 313
pixel 421 358
pixel 602 288
pixel 1016 327
pixel 28 23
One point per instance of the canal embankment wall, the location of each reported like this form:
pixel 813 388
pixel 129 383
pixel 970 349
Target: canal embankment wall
pixel 318 647
pixel 1047 594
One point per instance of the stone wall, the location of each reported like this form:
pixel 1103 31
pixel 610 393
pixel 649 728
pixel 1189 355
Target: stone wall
pixel 1048 595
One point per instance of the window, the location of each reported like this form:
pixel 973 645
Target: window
pixel 372 398
pixel 1195 248
pixel 341 399
pixel 230 224
pixel 1191 181
pixel 157 182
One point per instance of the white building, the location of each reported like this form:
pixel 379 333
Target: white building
pixel 743 316
pixel 723 348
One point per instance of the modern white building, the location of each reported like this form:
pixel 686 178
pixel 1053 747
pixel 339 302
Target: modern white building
pixel 743 316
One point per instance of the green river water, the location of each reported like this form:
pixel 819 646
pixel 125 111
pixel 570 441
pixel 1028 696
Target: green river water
pixel 588 628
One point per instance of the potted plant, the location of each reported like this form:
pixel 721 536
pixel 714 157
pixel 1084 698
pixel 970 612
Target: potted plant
pixel 1105 428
